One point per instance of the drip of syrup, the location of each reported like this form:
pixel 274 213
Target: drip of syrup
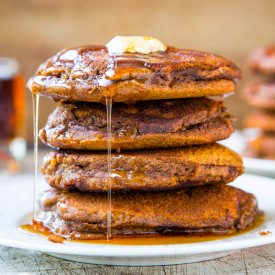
pixel 106 82
pixel 35 150
pixel 109 165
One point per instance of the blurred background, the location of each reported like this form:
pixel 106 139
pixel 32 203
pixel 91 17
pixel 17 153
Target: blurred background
pixel 33 30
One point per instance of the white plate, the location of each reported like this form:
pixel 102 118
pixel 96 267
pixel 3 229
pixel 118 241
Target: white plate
pixel 263 167
pixel 237 142
pixel 16 202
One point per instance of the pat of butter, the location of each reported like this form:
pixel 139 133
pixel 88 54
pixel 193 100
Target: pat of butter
pixel 135 44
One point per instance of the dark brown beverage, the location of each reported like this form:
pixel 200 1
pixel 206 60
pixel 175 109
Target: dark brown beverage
pixel 12 101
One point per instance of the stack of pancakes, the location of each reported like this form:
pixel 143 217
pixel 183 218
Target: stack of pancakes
pixel 261 94
pixel 168 175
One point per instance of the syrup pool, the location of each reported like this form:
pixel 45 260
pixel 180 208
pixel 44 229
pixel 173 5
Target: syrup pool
pixel 37 228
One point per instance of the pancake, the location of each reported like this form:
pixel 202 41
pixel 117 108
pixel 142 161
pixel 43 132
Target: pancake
pixel 151 124
pixel 263 120
pixel 208 209
pixel 260 94
pixel 142 170
pixel 262 147
pixel 263 60
pixel 90 73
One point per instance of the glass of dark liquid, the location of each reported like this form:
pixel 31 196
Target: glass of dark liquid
pixel 12 115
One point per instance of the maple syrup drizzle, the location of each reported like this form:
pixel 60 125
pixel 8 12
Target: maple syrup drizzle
pixel 35 150
pixel 109 166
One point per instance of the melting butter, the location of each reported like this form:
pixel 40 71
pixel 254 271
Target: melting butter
pixel 135 44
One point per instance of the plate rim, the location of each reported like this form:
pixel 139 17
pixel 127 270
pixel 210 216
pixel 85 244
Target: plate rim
pixel 265 164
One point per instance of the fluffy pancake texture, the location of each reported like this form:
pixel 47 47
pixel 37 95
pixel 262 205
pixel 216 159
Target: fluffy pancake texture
pixel 143 170
pixel 207 209
pixel 151 124
pixel 90 73
pixel 260 94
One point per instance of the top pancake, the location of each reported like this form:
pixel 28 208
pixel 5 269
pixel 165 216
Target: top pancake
pixel 90 73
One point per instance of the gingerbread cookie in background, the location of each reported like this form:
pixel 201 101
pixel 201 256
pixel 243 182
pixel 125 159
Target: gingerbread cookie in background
pixel 262 61
pixel 261 95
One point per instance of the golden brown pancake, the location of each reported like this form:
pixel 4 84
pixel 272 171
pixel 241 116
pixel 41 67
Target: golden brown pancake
pixel 261 119
pixel 207 209
pixel 90 73
pixel 260 95
pixel 143 170
pixel 263 60
pixel 150 124
pixel 262 147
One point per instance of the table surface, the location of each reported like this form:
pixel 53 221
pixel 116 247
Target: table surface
pixel 260 260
